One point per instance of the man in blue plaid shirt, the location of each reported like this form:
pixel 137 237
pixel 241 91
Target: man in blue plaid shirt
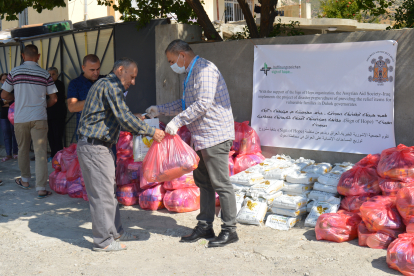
pixel 206 110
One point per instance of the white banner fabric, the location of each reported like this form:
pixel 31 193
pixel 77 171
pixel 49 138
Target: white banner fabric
pixel 329 97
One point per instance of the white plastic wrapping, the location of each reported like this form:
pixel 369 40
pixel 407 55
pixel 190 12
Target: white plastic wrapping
pixel 331 178
pixel 279 222
pixel 261 195
pixel 318 168
pixel 288 212
pixel 279 173
pixel 289 202
pixel 267 186
pixel 246 178
pixel 141 144
pixel 296 188
pixel 252 212
pixel 324 188
pixel 302 178
pixel 302 162
pixel 319 208
pixel 320 196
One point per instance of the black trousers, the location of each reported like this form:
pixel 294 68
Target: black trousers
pixel 55 135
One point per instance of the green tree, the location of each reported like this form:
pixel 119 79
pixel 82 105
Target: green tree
pixel 404 15
pixel 9 9
pixel 363 10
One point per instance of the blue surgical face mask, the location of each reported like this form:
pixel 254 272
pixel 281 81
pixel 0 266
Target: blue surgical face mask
pixel 177 69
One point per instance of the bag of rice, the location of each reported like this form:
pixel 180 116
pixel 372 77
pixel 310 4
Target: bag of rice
pixel 302 178
pixel 279 222
pixel 296 188
pixel 279 173
pixel 252 212
pixel 282 157
pixel 240 188
pixel 319 208
pixel 246 178
pixel 267 197
pixel 324 188
pixel 141 143
pixel 320 196
pixel 304 194
pixel 267 186
pixel 331 178
pixel 302 162
pixel 342 167
pixel 289 202
pixel 310 205
pixel 318 168
pixel 288 212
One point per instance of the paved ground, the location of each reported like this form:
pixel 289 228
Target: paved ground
pixel 53 237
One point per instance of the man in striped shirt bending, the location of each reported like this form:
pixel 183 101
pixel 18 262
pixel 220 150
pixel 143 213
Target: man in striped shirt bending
pixel 31 84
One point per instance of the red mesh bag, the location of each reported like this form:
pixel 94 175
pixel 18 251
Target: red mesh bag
pixel 185 181
pixel 363 234
pixel 371 160
pixel 127 194
pixel 231 163
pixel 243 162
pixel 389 187
pixel 85 194
pixel 169 160
pixel 246 139
pixel 57 159
pixel 68 156
pixel 397 163
pixel 405 204
pixel 353 203
pixel 185 134
pixel 217 200
pixel 152 199
pixel 359 181
pixel 75 188
pixel 10 115
pixel 60 185
pixel 400 254
pixel 124 145
pixel 379 240
pixel 337 227
pixel 182 200
pixel 74 171
pixel 127 171
pixel 380 214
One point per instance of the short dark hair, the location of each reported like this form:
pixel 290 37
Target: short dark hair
pixel 30 50
pixel 125 62
pixel 53 69
pixel 91 58
pixel 177 46
pixel 4 74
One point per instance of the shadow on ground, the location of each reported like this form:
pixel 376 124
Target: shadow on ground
pixel 381 264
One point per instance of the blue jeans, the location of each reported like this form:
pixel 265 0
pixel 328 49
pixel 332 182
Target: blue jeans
pixel 9 137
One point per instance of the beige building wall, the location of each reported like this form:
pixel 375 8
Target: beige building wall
pixel 210 7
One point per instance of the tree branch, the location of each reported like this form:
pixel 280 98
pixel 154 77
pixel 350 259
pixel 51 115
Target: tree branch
pixel 248 16
pixel 204 21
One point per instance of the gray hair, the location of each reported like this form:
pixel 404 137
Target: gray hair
pixel 177 46
pixel 124 62
pixel 53 69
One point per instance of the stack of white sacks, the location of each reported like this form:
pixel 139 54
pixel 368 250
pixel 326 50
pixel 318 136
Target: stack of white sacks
pixel 281 190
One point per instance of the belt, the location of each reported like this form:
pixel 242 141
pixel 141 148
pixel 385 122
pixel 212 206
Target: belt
pixel 95 141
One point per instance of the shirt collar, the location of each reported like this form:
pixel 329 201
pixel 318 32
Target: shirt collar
pixel 114 78
pixel 31 63
pixel 84 79
pixel 189 65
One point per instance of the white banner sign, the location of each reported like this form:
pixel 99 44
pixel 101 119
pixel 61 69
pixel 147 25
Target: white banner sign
pixel 328 97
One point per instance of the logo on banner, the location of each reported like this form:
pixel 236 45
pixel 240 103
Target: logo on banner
pixel 380 70
pixel 265 69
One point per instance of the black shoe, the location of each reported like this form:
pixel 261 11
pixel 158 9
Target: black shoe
pixel 224 238
pixel 199 233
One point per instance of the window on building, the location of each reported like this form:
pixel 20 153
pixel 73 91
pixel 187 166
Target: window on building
pixel 233 11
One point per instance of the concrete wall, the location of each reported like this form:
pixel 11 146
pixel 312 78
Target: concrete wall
pixel 235 61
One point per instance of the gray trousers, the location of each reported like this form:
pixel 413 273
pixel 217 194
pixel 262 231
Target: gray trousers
pixel 212 175
pixel 98 170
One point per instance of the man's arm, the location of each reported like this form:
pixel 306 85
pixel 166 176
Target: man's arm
pixel 74 105
pixel 52 100
pixel 170 109
pixel 7 95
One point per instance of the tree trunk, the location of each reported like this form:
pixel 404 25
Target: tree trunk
pixel 248 16
pixel 267 17
pixel 209 30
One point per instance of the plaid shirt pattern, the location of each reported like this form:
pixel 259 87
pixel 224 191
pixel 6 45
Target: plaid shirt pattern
pixel 105 111
pixel 208 114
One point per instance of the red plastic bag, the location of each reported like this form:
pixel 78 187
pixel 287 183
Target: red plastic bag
pixel 85 194
pixel 68 156
pixel 185 134
pixel 217 200
pixel 52 179
pixel 380 214
pixel 405 204
pixel 124 145
pixel 127 171
pixel 363 234
pixel 400 254
pixel 152 199
pixel 182 200
pixel 10 115
pixel 371 160
pixel 185 181
pixel 59 185
pixel 127 194
pixel 246 139
pixel 389 187
pixel 169 160
pixel 353 203
pixel 144 184
pixel 57 159
pixel 359 181
pixel 75 188
pixel 162 126
pixel 397 163
pixel 337 227
pixel 74 171
pixel 379 240
pixel 243 162
pixel 231 163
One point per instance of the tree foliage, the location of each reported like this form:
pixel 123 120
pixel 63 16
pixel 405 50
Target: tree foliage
pixel 354 9
pixel 404 15
pixel 9 9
